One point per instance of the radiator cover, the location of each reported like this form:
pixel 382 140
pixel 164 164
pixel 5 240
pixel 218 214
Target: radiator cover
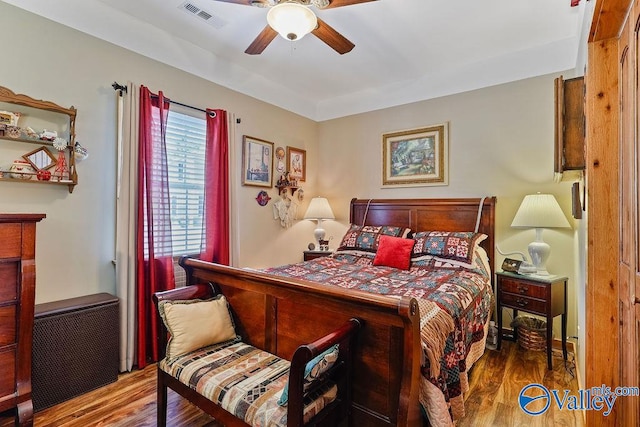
pixel 75 348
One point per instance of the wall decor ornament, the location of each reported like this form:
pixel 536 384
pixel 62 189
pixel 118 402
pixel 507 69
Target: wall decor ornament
pixel 281 166
pixel 257 162
pixel 416 157
pixel 263 198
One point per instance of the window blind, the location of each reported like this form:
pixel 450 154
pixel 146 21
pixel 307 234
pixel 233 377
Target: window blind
pixel 185 141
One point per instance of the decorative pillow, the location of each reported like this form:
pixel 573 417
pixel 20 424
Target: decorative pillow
pixel 365 238
pixel 456 245
pixel 194 324
pixel 314 369
pixel 394 252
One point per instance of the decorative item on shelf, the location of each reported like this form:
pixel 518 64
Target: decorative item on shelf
pixel 9 118
pixel 43 175
pixel 311 246
pixel 47 135
pixel 285 182
pixel 3 129
pixel 61 172
pixel 40 158
pixel 319 210
pixel 263 198
pixel 59 143
pixel 30 132
pixel 540 211
pixel 80 152
pixel 14 131
pixel 21 169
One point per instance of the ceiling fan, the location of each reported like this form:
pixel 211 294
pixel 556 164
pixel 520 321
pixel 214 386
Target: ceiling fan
pixel 293 19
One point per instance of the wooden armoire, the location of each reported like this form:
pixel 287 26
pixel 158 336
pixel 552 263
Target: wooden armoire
pixel 17 299
pixel 612 111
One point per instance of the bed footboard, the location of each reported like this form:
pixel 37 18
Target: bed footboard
pixel 278 315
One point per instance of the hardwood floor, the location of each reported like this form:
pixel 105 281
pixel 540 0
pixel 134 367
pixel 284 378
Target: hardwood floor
pixel 496 381
pixel 499 376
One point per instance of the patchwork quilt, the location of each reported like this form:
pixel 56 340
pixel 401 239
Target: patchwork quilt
pixel 455 301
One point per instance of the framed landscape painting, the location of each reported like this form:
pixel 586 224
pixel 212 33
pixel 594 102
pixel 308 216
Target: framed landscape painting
pixel 415 157
pixel 257 162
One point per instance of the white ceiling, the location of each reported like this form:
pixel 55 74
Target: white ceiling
pixel 406 50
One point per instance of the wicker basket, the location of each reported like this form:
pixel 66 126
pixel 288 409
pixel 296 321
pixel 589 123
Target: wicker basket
pixel 532 333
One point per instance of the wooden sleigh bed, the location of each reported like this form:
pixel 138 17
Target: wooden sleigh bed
pixel 390 379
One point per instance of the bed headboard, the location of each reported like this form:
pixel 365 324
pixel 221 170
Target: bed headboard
pixel 430 215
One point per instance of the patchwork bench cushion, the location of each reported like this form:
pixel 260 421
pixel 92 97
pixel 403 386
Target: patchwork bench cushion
pixel 244 380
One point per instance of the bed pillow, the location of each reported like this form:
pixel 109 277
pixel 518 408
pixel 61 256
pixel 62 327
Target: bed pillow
pixel 195 324
pixel 314 369
pixel 455 245
pixel 366 238
pixel 394 252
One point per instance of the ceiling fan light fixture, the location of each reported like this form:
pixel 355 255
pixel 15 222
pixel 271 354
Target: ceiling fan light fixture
pixel 292 20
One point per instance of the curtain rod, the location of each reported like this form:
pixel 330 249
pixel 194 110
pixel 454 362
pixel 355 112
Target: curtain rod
pixel 117 86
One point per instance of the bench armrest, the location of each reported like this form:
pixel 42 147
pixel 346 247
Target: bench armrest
pixel 343 336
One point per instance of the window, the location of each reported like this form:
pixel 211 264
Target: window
pixel 185 161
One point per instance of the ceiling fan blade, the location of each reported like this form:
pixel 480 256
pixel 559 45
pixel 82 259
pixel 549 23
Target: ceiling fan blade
pixel 262 3
pixel 334 39
pixel 340 3
pixel 259 44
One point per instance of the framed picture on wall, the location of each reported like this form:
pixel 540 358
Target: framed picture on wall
pixel 297 163
pixel 257 162
pixel 415 157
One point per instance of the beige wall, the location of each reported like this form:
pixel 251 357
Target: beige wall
pixel 500 143
pixel 75 243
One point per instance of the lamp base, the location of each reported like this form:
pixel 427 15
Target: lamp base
pixel 319 233
pixel 539 251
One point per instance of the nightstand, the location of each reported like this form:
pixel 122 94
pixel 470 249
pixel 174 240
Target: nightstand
pixel 542 295
pixel 309 255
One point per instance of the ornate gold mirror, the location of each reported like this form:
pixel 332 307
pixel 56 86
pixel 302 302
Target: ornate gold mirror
pixel 40 158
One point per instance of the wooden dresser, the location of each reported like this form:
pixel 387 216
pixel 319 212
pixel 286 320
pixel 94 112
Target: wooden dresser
pixel 17 300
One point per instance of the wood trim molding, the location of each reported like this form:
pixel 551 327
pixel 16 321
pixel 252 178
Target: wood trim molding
pixel 608 18
pixel 603 117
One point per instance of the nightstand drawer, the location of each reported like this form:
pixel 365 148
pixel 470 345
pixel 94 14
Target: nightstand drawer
pixel 520 302
pixel 524 288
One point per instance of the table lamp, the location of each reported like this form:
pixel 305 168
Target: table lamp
pixel 319 210
pixel 539 211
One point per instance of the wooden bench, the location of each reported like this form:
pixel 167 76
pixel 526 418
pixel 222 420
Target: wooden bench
pixel 278 314
pixel 300 395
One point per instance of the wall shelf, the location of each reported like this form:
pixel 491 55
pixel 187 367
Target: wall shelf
pixel 41 115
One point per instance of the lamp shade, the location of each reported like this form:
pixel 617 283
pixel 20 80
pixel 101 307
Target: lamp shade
pixel 540 211
pixel 319 208
pixel 292 20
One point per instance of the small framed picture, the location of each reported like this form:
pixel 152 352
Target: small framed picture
pixel 257 162
pixel 297 163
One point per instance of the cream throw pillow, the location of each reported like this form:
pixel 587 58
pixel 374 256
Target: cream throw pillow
pixel 194 324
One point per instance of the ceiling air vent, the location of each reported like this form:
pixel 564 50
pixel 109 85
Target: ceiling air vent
pixel 209 18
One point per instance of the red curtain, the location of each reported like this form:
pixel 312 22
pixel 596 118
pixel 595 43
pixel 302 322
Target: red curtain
pixel 216 197
pixel 153 243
